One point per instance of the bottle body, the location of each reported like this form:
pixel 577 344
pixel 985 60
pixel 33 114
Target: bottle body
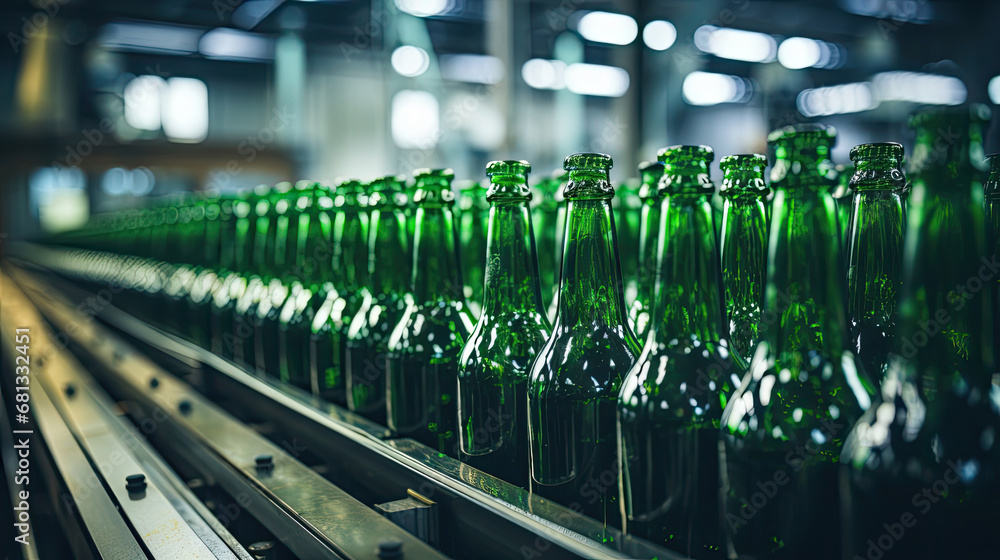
pixel 577 375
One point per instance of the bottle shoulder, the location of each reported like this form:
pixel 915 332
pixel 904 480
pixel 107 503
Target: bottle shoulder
pixel 581 362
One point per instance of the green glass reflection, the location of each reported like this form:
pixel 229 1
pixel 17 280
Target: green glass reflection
pixel 473 217
pixel 544 210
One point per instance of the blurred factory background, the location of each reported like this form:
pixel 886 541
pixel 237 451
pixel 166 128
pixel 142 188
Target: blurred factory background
pixel 106 102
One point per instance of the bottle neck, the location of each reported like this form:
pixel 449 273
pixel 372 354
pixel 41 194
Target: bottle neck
pixel 875 270
pixel 512 280
pixel 590 290
pixel 744 265
pixel 387 248
pixel 350 260
pixel 805 274
pixel 437 273
pixel 649 227
pixel 688 299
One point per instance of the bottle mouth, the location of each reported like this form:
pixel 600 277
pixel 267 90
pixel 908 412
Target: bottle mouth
pixel 588 162
pixel 350 186
pixel 508 168
pixel 665 155
pixel 889 152
pixel 743 161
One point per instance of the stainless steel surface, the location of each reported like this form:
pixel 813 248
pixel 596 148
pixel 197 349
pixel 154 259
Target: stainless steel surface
pixel 311 516
pixel 478 511
pixel 107 530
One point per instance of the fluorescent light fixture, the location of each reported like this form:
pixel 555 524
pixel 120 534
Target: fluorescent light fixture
pixel 736 44
pixel 659 35
pixel 471 68
pixel 415 120
pixel 540 73
pixel 232 44
pixel 918 87
pixel 797 53
pixel 425 8
pixel 606 27
pixel 994 90
pixel 142 102
pixel 596 79
pixel 410 61
pixel 184 110
pixel 150 37
pixel 837 100
pixel 707 88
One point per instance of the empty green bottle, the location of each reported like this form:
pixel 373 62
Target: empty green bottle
pixel 422 369
pixel 574 383
pixel 640 310
pixel 744 249
pixel 786 423
pixel 495 362
pixel 991 190
pixel 473 217
pixel 926 461
pixel 543 220
pixel 875 253
pixel 844 197
pixel 350 269
pixel 671 401
pixel 383 300
pixel 628 215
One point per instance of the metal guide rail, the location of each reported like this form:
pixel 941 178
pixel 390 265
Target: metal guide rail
pixel 481 516
pixel 120 498
pixel 312 517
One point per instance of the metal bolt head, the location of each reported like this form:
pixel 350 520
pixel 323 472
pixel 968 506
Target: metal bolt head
pixel 70 389
pixel 184 406
pixel 390 550
pixel 265 463
pixel 135 482
pixel 154 383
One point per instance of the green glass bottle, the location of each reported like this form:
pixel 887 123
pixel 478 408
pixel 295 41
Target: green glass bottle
pixel 266 233
pixel 543 219
pixel 928 450
pixel 245 323
pixel 422 369
pixel 744 248
pixel 224 296
pixel 649 232
pixel 350 268
pixel 383 300
pixel 560 237
pixel 844 197
pixel 875 249
pixel 576 376
pixel 495 362
pixel 671 401
pixel 245 211
pixel 785 424
pixel 294 322
pixel 628 216
pixel 473 216
pixel 267 328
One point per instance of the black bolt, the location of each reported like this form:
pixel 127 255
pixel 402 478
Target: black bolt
pixel 265 463
pixel 154 383
pixel 390 550
pixel 70 389
pixel 135 482
pixel 184 406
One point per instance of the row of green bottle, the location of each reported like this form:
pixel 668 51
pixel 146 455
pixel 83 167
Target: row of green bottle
pixel 783 385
